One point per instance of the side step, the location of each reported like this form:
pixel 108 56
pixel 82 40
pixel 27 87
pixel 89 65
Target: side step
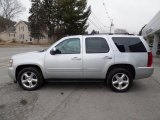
pixel 74 80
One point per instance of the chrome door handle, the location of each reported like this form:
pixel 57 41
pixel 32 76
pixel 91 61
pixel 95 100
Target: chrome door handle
pixel 76 58
pixel 107 57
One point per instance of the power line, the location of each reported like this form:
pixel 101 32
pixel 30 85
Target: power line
pixel 111 20
pixel 94 24
pixel 95 17
pixel 106 11
pixel 97 23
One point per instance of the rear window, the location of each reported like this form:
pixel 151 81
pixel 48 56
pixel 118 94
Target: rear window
pixel 129 44
pixel 96 45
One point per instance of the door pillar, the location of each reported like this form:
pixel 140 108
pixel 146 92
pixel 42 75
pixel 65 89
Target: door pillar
pixel 155 44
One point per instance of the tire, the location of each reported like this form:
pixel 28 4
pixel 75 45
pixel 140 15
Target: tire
pixel 120 80
pixel 30 78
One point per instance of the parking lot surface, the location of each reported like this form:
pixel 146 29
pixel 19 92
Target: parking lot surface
pixel 77 101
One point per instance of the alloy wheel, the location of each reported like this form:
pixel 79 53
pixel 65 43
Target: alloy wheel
pixel 29 79
pixel 120 81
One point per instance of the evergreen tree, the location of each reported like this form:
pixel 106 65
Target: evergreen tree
pixel 49 16
pixel 58 17
pixel 36 20
pixel 72 15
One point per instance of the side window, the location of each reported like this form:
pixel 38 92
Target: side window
pixel 129 44
pixel 96 45
pixel 69 46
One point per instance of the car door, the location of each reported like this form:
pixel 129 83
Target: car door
pixel 97 57
pixel 68 64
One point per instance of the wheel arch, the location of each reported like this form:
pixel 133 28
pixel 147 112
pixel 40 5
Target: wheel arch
pixel 20 67
pixel 129 67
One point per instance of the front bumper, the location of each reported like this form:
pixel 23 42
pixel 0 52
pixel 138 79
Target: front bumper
pixel 143 72
pixel 11 73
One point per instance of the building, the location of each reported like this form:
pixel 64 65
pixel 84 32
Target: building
pixel 20 32
pixel 152 33
pixel 9 34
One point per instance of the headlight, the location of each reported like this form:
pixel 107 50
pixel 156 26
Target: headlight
pixel 10 62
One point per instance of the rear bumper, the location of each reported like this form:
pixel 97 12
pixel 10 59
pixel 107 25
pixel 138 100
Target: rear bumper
pixel 11 73
pixel 143 72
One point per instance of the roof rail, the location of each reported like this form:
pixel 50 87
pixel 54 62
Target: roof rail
pixel 111 34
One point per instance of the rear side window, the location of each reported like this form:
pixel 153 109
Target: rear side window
pixel 96 45
pixel 129 44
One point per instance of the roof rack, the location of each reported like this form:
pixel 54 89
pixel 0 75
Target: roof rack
pixel 122 34
pixel 112 34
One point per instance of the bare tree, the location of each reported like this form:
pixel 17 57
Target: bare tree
pixel 120 31
pixel 10 8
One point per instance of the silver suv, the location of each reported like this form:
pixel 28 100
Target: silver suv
pixel 115 59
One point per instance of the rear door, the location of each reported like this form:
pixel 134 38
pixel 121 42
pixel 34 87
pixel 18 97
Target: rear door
pixel 97 57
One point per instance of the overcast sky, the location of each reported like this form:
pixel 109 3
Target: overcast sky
pixel 131 15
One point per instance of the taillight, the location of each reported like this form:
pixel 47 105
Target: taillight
pixel 150 59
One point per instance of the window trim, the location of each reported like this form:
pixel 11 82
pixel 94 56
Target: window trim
pixel 70 53
pixel 97 52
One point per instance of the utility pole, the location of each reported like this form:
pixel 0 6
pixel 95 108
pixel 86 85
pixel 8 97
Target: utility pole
pixel 111 20
pixel 111 25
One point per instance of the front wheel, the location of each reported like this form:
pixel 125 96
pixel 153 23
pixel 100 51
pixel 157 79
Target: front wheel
pixel 30 78
pixel 120 80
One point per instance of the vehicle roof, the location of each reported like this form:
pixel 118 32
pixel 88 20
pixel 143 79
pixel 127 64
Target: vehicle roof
pixel 104 35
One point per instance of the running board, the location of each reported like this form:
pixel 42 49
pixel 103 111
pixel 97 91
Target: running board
pixel 74 80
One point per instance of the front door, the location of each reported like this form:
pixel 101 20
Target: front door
pixel 67 64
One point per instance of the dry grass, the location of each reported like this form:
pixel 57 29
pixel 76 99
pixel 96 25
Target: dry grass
pixel 1 40
pixel 13 41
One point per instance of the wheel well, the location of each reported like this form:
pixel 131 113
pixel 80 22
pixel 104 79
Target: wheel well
pixel 19 68
pixel 129 67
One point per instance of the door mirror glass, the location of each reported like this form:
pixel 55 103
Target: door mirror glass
pixel 55 51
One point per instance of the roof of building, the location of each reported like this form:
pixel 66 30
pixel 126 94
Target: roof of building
pixel 153 26
pixel 11 29
pixel 27 23
pixel 5 24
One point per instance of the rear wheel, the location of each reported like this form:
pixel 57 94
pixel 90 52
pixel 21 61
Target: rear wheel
pixel 30 78
pixel 120 80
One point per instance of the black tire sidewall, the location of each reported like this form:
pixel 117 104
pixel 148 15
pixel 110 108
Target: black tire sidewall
pixel 119 70
pixel 36 72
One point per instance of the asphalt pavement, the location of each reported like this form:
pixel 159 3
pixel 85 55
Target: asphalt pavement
pixel 77 101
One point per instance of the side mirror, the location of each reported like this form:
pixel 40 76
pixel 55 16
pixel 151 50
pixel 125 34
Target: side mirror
pixel 55 51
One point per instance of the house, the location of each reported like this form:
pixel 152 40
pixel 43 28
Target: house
pixel 9 34
pixel 20 32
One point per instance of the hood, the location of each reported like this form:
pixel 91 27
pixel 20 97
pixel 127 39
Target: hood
pixel 28 55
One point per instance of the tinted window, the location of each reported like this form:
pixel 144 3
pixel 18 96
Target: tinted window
pixel 96 45
pixel 128 44
pixel 69 46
